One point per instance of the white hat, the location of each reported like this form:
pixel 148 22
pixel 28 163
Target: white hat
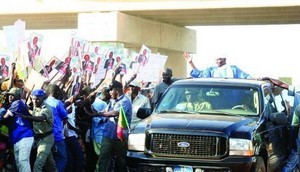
pixel 134 84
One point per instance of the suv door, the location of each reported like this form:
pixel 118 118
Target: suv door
pixel 276 139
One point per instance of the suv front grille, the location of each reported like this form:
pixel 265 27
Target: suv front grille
pixel 192 146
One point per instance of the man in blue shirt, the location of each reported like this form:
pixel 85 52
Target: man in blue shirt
pixel 111 144
pixel 222 70
pixel 60 115
pixel 20 129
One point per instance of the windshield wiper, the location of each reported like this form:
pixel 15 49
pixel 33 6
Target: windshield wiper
pixel 173 111
pixel 220 112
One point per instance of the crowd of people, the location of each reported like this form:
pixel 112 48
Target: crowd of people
pixel 45 130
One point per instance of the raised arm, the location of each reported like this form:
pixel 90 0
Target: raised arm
pixel 189 59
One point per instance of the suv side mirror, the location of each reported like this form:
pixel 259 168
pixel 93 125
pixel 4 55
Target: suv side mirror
pixel 279 118
pixel 143 113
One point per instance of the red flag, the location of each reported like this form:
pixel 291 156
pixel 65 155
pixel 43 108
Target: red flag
pixel 122 124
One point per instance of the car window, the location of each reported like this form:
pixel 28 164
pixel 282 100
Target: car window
pixel 211 99
pixel 269 102
pixel 280 104
pixel 279 101
pixel 170 100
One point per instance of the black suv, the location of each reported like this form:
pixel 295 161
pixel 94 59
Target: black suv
pixel 212 125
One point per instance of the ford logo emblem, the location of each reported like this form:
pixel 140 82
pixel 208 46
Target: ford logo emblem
pixel 183 144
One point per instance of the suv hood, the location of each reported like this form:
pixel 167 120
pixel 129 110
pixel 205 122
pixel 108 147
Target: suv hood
pixel 209 122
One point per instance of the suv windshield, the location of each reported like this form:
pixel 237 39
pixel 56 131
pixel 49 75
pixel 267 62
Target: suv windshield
pixel 211 100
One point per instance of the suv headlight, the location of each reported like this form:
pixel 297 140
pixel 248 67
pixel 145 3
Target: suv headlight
pixel 240 147
pixel 136 142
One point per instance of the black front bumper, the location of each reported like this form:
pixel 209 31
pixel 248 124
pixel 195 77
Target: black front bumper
pixel 140 162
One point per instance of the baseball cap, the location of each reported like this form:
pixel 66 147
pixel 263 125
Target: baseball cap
pixel 187 92
pixel 38 92
pixel 115 84
pixel 134 84
pixel 15 91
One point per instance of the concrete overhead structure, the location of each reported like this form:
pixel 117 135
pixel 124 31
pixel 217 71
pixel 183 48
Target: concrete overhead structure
pixel 159 24
pixel 134 31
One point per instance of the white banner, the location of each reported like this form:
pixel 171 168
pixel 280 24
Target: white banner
pixel 151 71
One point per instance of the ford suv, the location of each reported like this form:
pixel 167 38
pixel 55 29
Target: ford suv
pixel 212 125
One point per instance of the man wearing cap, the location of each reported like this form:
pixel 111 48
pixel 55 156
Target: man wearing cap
pixel 111 143
pixel 20 129
pixel 188 103
pixel 60 115
pixel 138 100
pixel 222 70
pixel 42 126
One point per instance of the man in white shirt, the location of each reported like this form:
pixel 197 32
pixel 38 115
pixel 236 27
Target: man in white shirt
pixel 138 100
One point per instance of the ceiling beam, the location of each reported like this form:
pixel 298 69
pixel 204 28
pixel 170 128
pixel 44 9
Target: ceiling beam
pixel 42 21
pixel 49 15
